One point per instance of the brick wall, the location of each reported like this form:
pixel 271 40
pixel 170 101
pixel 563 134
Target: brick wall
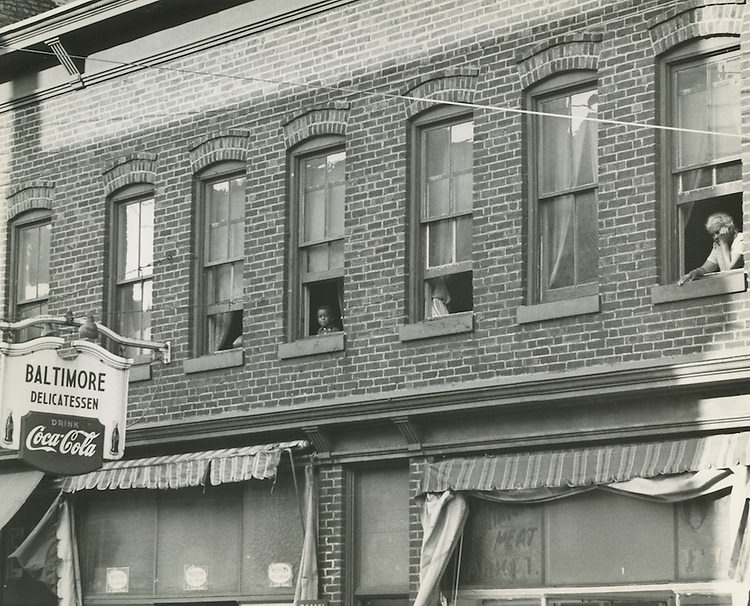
pixel 76 139
pixel 12 11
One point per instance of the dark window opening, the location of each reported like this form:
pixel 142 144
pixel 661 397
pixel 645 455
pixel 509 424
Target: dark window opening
pixel 226 329
pixel 698 242
pixel 328 294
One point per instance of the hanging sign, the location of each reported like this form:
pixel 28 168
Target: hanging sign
pixel 62 406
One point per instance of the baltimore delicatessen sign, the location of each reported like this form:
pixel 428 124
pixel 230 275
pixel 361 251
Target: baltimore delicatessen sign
pixel 62 405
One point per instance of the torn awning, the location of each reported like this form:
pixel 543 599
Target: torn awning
pixel 185 470
pixel 587 466
pixel 15 488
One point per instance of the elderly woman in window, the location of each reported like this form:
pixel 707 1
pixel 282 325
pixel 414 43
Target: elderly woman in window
pixel 727 251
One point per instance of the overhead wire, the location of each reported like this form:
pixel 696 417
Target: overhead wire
pixel 383 95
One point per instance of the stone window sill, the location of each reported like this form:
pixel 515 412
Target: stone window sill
pixel 558 309
pixel 215 361
pixel 313 346
pixel 452 324
pixel 710 285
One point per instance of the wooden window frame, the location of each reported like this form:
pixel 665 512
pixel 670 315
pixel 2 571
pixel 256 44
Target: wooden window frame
pixel 34 218
pixel 224 171
pixel 132 194
pixel 555 87
pixel 299 303
pixel 696 52
pixel 419 273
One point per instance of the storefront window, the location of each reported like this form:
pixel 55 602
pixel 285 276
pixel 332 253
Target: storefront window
pixel 554 553
pixel 237 541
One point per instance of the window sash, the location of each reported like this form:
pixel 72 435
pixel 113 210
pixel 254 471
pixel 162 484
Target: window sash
pixel 321 198
pixel 32 263
pixel 709 111
pixel 565 160
pixel 224 220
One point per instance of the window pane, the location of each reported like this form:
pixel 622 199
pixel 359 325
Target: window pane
pixel 316 258
pixel 314 215
pixel 382 503
pixel 237 217
pixel 462 162
pixel 584 130
pixel 724 81
pixel 439 243
pixel 130 308
pixel 28 270
pixel 219 284
pixel 554 148
pixel 692 101
pixel 558 226
pixel 437 172
pixel 147 237
pixel 199 529
pixel 587 237
pixel 119 533
pixel 463 238
pixel 337 254
pixel 43 260
pixel 218 217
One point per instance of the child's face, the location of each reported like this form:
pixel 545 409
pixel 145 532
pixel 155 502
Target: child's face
pixel 324 317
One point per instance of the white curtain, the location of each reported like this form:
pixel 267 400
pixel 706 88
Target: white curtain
pixel 307 577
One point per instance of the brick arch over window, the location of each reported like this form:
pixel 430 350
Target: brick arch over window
pixel 454 86
pixel 317 122
pixel 571 52
pixel 229 146
pixel 30 196
pixel 695 19
pixel 129 170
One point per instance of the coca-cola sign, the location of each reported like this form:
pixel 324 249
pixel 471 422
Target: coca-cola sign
pixel 61 444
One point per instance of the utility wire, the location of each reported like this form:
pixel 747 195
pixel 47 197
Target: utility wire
pixel 365 92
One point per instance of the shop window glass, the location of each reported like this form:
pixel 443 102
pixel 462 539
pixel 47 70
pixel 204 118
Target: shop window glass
pixel 221 243
pixel 382 536
pixel 702 82
pixel 564 207
pixel 442 240
pixel 118 542
pixel 198 542
pixel 220 541
pixel 318 237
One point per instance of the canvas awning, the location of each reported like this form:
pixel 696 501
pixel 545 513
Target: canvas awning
pixel 185 470
pixel 15 488
pixel 587 466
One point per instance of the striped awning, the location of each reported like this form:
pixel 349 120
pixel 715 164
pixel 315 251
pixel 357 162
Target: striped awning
pixel 587 466
pixel 185 470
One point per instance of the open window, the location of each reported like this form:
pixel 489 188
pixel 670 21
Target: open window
pixel 441 235
pixel 701 154
pixel 317 238
pixel 220 238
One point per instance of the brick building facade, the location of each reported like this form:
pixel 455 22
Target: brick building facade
pixel 493 200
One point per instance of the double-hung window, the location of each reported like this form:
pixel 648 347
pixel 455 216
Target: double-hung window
pixel 221 253
pixel 133 211
pixel 443 237
pixel 30 265
pixel 702 149
pixel 318 238
pixel 565 252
